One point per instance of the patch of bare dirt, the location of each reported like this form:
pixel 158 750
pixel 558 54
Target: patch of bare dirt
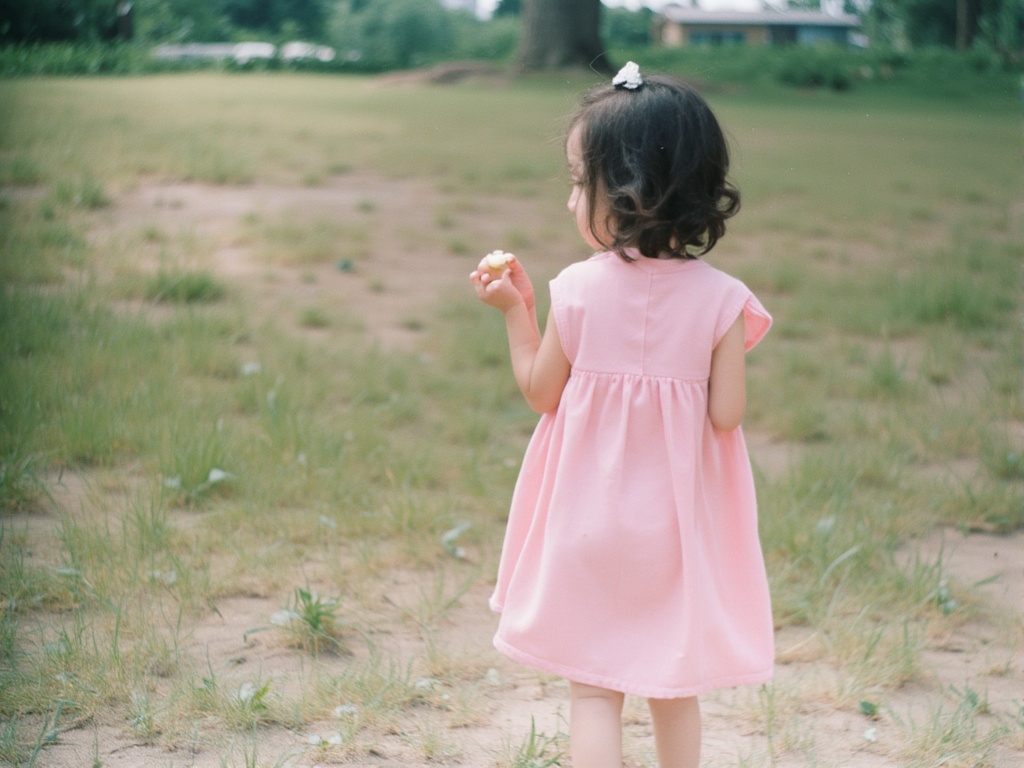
pixel 394 291
pixel 392 284
pixel 448 73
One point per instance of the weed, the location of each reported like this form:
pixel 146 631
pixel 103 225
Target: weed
pixel 538 750
pixel 142 716
pixel 193 465
pixel 8 632
pixel 185 288
pixel 458 246
pixel 86 193
pixel 248 704
pixel 11 752
pixel 20 485
pixel 888 376
pixel 949 736
pixel 437 600
pixel 1003 459
pixel 314 317
pixel 242 707
pixel 377 689
pixel 312 621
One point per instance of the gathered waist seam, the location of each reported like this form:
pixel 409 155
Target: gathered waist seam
pixel 647 376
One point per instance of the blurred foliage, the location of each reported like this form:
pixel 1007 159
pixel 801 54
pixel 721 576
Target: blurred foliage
pixel 159 20
pixel 508 8
pixel 978 74
pixel 179 21
pixel 911 41
pixel 306 18
pixel 52 20
pixel 922 23
pixel 399 34
pixel 622 27
pixel 394 33
pixel 420 28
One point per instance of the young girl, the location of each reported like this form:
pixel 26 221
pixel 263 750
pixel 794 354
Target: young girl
pixel 631 563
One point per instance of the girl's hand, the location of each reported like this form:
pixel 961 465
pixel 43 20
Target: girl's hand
pixel 506 291
pixel 521 280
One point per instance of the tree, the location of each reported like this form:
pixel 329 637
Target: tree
pixel 388 34
pixel 966 22
pixel 508 8
pixel 945 22
pixel 562 33
pixel 181 21
pixel 57 20
pixel 309 17
pixel 625 28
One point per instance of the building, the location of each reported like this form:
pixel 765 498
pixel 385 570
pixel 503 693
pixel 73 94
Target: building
pixel 460 5
pixel 677 26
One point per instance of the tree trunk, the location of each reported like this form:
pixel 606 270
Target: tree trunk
pixel 966 22
pixel 562 33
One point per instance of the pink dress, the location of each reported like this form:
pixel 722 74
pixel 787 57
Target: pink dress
pixel 631 559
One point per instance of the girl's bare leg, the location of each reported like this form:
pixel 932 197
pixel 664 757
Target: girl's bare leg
pixel 676 731
pixel 595 727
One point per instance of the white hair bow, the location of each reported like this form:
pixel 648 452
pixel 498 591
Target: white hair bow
pixel 628 77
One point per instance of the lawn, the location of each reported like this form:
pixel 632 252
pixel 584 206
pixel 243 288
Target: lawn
pixel 257 440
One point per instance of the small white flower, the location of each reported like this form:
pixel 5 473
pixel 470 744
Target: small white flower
pixel 871 734
pixel 314 740
pixel 251 369
pixel 246 693
pixel 174 483
pixel 345 709
pixel 493 676
pixel 449 538
pixel 629 77
pixel 217 476
pixel 325 520
pixel 426 684
pixel 335 739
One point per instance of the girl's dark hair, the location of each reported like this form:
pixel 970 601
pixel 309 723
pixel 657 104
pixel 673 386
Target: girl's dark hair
pixel 658 155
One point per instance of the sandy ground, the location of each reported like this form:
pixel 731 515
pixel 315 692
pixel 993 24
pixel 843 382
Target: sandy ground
pixel 811 726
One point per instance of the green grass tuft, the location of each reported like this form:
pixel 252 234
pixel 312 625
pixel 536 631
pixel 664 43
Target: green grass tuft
pixel 185 287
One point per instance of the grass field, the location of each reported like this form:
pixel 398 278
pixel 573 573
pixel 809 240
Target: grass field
pixel 299 405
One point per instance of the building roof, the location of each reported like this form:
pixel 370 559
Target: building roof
pixel 693 16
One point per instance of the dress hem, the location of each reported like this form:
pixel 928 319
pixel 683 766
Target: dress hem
pixel 646 691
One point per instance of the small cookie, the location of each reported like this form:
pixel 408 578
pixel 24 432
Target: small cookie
pixel 496 262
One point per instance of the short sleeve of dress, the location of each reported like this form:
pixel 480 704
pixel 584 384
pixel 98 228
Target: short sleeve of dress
pixel 565 311
pixel 755 316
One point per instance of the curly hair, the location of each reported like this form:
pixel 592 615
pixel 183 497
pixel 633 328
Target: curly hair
pixel 659 157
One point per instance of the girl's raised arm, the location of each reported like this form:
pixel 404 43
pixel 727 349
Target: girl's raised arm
pixel 538 362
